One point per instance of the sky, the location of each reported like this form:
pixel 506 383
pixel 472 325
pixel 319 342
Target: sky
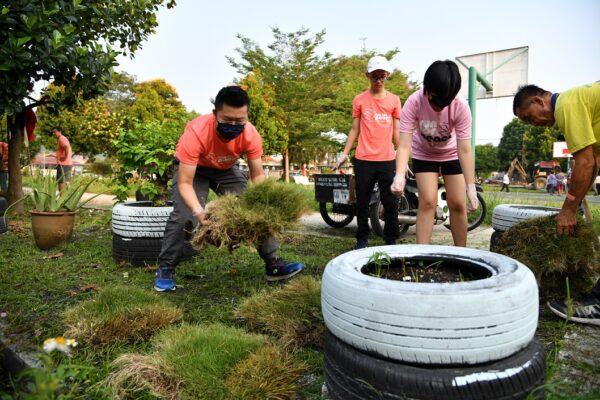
pixel 192 41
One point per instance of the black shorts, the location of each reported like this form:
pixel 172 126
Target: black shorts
pixel 451 167
pixel 63 173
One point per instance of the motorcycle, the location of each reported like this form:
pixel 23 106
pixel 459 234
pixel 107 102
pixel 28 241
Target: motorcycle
pixel 336 197
pixel 408 204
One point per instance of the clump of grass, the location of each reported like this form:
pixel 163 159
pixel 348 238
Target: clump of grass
pixel 553 258
pixel 268 373
pixel 134 374
pixel 206 362
pixel 264 210
pixel 120 315
pixel 292 313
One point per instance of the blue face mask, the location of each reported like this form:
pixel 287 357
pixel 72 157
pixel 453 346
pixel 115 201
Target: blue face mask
pixel 229 131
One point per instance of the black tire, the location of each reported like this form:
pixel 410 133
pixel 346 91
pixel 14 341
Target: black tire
pixel 3 205
pixel 376 216
pixel 3 219
pixel 353 375
pixel 496 235
pixel 136 251
pixel 475 218
pixel 332 218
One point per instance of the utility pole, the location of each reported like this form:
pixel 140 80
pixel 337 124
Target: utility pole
pixel 364 46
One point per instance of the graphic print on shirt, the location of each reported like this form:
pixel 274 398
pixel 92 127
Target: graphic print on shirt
pixel 226 159
pixel 369 115
pixel 434 133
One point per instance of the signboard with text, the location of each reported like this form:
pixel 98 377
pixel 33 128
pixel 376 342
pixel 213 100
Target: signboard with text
pixel 560 150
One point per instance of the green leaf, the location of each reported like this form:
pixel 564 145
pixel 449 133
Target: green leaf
pixel 4 67
pixel 5 10
pixel 23 40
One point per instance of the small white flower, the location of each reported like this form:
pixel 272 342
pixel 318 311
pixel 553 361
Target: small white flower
pixel 125 274
pixel 59 343
pixel 406 278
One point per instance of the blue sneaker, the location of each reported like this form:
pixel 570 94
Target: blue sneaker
pixel 278 269
pixel 360 244
pixel 164 281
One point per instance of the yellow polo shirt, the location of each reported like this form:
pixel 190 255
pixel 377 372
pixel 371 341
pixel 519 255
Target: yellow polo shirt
pixel 577 114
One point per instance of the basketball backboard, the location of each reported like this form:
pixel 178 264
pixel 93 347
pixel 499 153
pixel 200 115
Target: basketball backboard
pixel 506 70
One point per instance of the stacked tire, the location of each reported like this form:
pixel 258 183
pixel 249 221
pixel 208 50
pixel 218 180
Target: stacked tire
pixel 3 221
pixel 138 229
pixel 392 339
pixel 507 215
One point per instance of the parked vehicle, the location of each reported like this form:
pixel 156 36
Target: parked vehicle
pixel 336 196
pixel 409 204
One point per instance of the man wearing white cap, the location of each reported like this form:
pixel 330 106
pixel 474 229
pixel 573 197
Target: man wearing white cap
pixel 375 122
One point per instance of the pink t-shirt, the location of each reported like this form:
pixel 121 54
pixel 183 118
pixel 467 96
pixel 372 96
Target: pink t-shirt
pixel 376 125
pixel 201 144
pixel 434 133
pixel 64 149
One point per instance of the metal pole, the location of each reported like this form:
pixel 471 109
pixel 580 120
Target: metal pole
pixel 473 105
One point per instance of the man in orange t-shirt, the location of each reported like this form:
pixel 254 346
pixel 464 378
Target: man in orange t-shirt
pixel 375 122
pixel 207 157
pixel 64 155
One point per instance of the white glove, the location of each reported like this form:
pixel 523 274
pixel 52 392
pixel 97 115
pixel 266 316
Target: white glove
pixel 472 197
pixel 398 185
pixel 341 160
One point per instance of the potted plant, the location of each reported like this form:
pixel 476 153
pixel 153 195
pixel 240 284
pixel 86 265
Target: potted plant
pixel 53 213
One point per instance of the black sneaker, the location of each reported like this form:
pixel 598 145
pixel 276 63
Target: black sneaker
pixel 585 309
pixel 278 269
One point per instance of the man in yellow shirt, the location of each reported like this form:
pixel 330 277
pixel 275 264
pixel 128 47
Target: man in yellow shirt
pixel 577 113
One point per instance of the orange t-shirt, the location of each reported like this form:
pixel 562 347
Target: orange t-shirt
pixel 201 144
pixel 64 148
pixel 376 125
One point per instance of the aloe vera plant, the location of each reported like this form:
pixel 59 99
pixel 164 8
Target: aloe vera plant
pixel 45 196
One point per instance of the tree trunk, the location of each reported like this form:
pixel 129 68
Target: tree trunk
pixel 286 165
pixel 16 128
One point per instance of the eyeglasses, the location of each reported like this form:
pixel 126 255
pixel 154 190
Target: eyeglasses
pixel 382 78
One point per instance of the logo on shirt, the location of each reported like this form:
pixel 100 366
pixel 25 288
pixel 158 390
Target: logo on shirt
pixel 225 159
pixel 370 115
pixel 434 133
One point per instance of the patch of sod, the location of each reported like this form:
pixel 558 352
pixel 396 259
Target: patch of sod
pixel 120 314
pixel 292 313
pixel 552 258
pixel 206 362
pixel 262 211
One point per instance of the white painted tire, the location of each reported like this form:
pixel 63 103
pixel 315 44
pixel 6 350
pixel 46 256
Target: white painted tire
pixel 467 322
pixel 507 215
pixel 139 219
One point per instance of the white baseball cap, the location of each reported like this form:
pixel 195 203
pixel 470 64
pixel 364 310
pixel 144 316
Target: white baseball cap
pixel 379 62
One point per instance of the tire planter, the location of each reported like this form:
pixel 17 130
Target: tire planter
pixel 139 219
pixel 136 251
pixel 352 375
pixel 507 215
pixel 459 323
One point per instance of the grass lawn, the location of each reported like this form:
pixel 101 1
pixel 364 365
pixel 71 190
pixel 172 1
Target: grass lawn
pixel 38 287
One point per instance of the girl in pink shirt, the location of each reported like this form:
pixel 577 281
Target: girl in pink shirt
pixel 437 125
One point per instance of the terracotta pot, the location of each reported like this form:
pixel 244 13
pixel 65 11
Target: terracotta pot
pixel 51 229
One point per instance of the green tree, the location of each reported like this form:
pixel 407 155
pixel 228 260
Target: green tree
pixel 68 42
pixel 267 117
pixel 292 69
pixel 155 100
pixel 487 159
pixel 526 142
pixel 120 96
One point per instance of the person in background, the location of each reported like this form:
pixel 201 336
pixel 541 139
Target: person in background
pixel 561 178
pixel 505 182
pixel 551 183
pixel 375 122
pixel 436 124
pixel 3 166
pixel 577 114
pixel 207 157
pixel 64 158
pixel 597 184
